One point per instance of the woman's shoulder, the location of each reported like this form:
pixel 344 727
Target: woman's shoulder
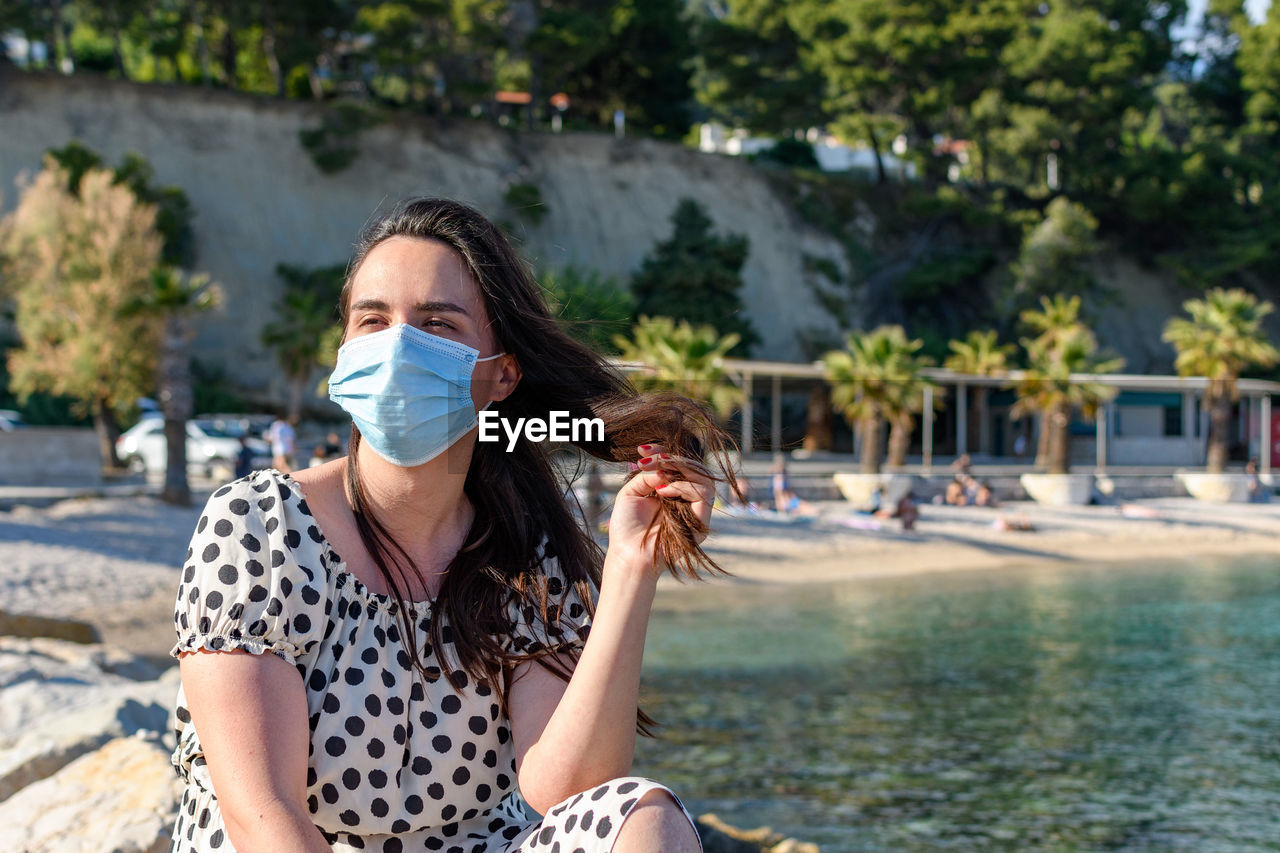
pixel 254 576
pixel 265 498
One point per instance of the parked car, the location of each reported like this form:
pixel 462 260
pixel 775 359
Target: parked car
pixel 211 450
pixel 239 424
pixel 10 420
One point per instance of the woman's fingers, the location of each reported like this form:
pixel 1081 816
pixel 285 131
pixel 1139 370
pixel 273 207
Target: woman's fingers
pixel 645 483
pixel 687 468
pixel 694 493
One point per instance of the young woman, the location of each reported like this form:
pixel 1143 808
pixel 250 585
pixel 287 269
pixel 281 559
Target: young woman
pixel 398 649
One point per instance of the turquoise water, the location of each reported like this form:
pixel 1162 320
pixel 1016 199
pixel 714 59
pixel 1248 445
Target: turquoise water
pixel 1105 708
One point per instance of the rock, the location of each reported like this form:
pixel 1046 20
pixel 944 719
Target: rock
pixel 60 700
pixel 29 625
pixel 103 713
pixel 719 837
pixel 97 656
pixel 40 677
pixel 121 798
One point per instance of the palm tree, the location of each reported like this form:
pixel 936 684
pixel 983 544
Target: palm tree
pixel 176 298
pixel 1047 387
pixel 681 357
pixel 877 379
pixel 1057 320
pixel 1222 338
pixel 980 354
pixel 306 314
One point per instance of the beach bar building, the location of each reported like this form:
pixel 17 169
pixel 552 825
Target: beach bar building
pixel 1155 422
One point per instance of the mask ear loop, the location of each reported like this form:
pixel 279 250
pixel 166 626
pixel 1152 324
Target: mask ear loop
pixel 488 358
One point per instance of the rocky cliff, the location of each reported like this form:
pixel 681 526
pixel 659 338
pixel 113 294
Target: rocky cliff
pixel 260 200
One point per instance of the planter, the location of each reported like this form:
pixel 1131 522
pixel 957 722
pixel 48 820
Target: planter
pixel 1059 489
pixel 1215 488
pixel 858 488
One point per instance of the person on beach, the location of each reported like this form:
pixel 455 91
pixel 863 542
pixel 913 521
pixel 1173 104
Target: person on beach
pixel 283 438
pixel 417 646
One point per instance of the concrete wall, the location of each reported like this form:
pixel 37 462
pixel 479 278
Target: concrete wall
pixel 260 201
pixel 49 456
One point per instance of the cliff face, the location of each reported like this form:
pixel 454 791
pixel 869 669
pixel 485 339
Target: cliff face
pixel 260 200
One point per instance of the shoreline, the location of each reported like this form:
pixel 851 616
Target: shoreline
pixel 113 562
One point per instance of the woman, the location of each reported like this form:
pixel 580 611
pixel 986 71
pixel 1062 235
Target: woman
pixel 440 629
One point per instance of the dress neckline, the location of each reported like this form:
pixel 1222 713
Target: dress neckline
pixel 342 573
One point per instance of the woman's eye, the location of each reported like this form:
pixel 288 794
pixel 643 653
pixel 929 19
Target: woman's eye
pixel 436 323
pixel 369 321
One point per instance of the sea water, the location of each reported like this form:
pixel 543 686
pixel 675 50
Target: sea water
pixel 1103 707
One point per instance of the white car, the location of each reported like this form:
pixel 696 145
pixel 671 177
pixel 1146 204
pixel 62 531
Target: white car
pixel 210 449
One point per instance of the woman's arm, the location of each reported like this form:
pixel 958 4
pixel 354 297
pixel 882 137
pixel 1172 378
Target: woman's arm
pixel 251 714
pixel 571 737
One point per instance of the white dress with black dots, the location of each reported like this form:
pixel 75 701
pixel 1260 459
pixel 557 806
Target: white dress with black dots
pixel 394 765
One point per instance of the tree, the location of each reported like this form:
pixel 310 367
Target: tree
pixel 1049 387
pixel 909 66
pixel 173 208
pixel 751 73
pixel 681 357
pixel 906 400
pixel 980 354
pixel 1222 338
pixel 76 265
pixel 175 298
pixel 696 275
pixel 1055 255
pixel 591 308
pixel 306 314
pixel 874 380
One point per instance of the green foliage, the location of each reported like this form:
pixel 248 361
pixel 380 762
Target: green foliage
pixel 334 145
pixel 173 209
pixel 76 264
pixel 791 152
pixel 979 354
pixel 525 200
pixel 1056 254
pixel 591 308
pixel 750 72
pixel 683 358
pixel 1063 346
pixel 876 379
pixel 1223 336
pixel 696 275
pixel 304 333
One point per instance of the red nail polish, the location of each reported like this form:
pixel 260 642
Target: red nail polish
pixel 645 448
pixel 645 461
pixel 663 456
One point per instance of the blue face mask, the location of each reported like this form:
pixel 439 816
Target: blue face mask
pixel 409 392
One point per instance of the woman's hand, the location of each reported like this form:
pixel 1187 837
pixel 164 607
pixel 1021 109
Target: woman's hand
pixel 662 477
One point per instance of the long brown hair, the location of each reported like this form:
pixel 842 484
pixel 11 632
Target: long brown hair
pixel 519 502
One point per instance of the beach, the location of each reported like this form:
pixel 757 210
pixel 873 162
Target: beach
pixel 114 562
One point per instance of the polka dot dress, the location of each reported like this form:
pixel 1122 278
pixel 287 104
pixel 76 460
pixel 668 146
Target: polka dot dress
pixel 395 765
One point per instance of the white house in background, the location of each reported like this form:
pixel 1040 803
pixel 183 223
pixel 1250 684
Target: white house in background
pixel 832 155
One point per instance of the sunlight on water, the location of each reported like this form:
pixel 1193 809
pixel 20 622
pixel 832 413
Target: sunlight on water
pixel 1110 708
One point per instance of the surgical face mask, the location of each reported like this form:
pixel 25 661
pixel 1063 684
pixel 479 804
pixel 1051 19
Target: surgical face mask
pixel 409 392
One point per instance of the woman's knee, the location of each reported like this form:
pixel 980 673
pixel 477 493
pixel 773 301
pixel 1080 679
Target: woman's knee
pixel 657 823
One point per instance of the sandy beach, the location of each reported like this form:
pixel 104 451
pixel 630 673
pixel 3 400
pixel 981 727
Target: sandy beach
pixel 114 561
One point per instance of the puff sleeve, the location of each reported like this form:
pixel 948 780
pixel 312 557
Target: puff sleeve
pixel 567 621
pixel 243 585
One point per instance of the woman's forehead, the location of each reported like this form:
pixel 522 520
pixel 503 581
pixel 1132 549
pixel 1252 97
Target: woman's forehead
pixel 408 269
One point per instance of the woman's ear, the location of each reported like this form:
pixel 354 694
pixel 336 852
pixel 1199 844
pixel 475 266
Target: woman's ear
pixel 507 379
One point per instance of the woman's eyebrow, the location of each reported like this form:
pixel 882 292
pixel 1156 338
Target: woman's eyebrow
pixel 443 307
pixel 421 307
